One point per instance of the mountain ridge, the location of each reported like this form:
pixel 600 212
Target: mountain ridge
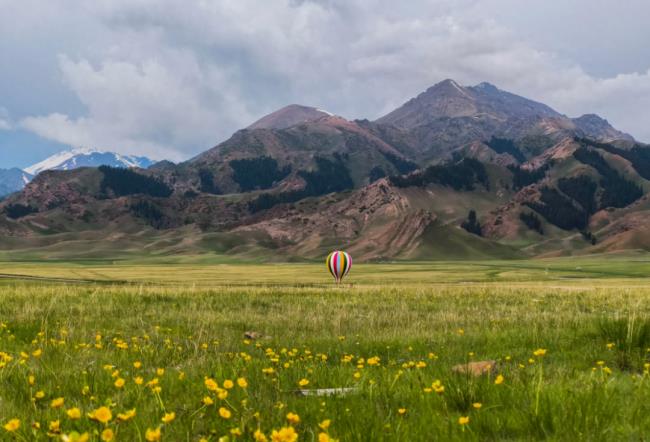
pixel 301 181
pixel 288 116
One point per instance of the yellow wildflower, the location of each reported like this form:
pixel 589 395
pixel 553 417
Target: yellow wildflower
pixel 477 405
pixel 228 384
pixel 242 382
pixel 284 434
pixel 499 380
pixel 127 415
pixel 12 425
pixel 75 437
pixel 57 403
pixel 293 418
pixel 74 413
pixel 463 420
pixel 325 424
pixel 211 384
pixel 303 382
pixel 55 426
pixel 152 435
pixel 207 400
pixel 107 435
pixel 119 383
pixel 169 417
pixel 224 413
pixel 401 411
pixel 102 414
pixel 259 436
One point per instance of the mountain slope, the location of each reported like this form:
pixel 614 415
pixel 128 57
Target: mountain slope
pixel 258 159
pixel 457 172
pixel 74 158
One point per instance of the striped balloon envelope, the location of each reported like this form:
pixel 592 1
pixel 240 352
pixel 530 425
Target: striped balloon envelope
pixel 339 264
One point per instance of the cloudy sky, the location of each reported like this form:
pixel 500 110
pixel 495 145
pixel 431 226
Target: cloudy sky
pixel 169 79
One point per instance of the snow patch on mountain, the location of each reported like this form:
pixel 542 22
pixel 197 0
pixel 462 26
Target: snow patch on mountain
pixel 86 157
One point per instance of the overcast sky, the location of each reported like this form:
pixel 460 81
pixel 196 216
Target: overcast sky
pixel 169 79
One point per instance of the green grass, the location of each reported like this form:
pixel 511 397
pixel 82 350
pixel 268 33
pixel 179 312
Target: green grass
pixel 189 318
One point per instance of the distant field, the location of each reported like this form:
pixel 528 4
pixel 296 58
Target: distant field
pixel 571 338
pixel 201 270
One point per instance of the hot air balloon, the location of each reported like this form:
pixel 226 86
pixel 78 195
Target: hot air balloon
pixel 339 264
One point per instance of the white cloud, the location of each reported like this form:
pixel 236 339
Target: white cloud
pixel 4 119
pixel 172 78
pixel 151 107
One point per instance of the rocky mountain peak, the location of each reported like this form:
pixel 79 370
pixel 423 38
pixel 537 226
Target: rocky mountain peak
pixel 598 127
pixel 288 116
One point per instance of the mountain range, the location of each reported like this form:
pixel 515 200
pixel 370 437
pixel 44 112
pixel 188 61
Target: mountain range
pixel 13 180
pixel 456 172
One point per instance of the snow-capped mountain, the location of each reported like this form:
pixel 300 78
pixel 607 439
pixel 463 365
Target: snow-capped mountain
pixel 71 159
pixel 13 180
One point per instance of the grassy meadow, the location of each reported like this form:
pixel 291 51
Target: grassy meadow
pixel 156 351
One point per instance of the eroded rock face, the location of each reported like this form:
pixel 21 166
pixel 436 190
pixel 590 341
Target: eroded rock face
pixel 503 222
pixel 373 222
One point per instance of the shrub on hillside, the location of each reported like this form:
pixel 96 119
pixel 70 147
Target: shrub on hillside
pixel 330 175
pixel 617 191
pixel 149 212
pixel 15 211
pixel 257 173
pixel 471 224
pixel 532 221
pixel 523 177
pixel 581 189
pixel 559 210
pixel 462 175
pixel 124 182
pixel 206 182
pixel 505 145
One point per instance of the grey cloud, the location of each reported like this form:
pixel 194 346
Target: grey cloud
pixel 172 78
